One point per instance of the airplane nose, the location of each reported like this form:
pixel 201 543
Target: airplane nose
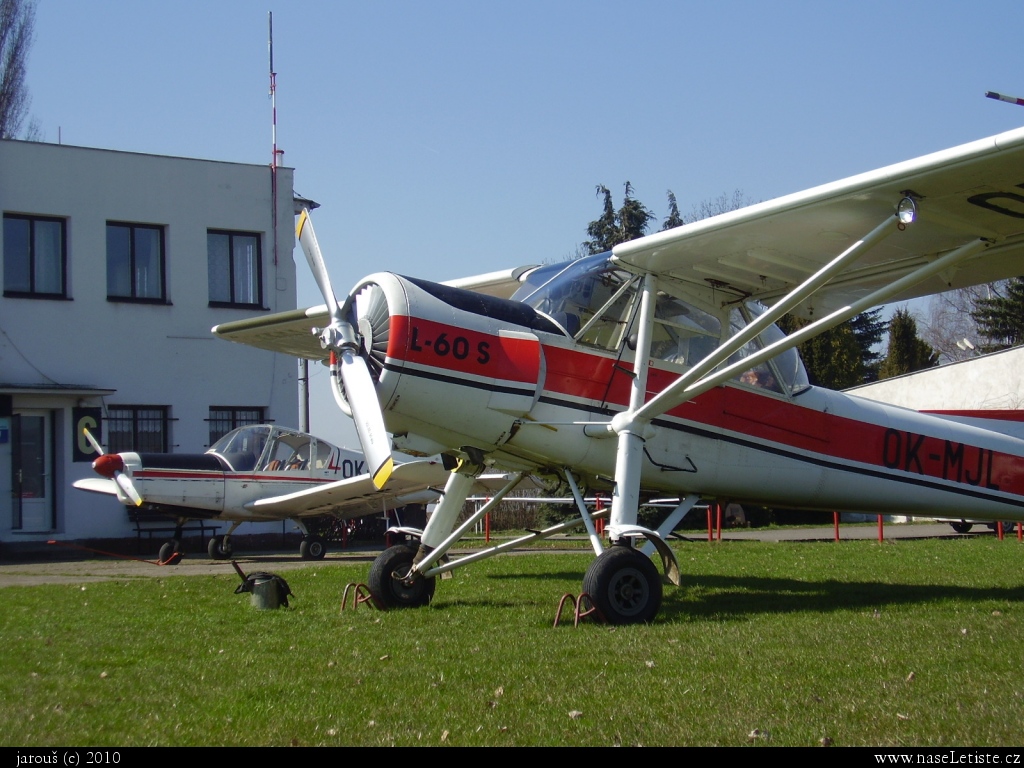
pixel 108 465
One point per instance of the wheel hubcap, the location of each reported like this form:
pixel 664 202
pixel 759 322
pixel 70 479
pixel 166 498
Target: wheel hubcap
pixel 628 591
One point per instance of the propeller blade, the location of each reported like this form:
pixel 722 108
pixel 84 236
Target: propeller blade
pixel 340 338
pixel 93 442
pixel 362 398
pixel 307 239
pixel 125 484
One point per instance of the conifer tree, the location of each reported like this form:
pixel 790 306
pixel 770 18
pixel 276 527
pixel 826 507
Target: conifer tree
pixel 907 352
pixel 1000 318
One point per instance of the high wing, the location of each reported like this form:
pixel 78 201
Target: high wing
pixel 968 192
pixel 358 496
pixel 972 191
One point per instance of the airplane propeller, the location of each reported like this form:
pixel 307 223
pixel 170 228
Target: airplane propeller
pixel 340 339
pixel 112 465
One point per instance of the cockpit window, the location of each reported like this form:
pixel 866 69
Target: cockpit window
pixel 683 334
pixel 589 299
pixel 592 300
pixel 289 451
pixel 264 448
pixel 783 373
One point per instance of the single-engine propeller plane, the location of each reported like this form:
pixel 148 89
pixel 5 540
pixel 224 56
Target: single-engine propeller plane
pixel 657 368
pixel 258 473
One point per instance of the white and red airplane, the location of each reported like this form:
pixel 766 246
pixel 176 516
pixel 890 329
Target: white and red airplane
pixel 258 473
pixel 657 368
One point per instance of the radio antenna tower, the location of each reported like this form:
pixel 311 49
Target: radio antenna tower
pixel 1001 97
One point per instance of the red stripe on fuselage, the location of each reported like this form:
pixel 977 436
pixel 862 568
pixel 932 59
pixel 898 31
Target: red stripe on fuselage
pixel 173 474
pixel 462 350
pixel 598 381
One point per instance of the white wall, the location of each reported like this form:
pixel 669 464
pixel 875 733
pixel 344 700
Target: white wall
pixel 989 382
pixel 151 354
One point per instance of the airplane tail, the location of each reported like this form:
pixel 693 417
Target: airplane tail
pixel 1004 421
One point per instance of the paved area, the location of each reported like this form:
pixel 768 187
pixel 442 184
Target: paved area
pixel 79 568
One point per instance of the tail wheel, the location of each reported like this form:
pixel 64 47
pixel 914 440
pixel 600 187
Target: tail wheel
pixel 387 580
pixel 624 586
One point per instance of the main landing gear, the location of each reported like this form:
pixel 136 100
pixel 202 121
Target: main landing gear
pixel 220 548
pixel 313 548
pixel 388 581
pixel 624 585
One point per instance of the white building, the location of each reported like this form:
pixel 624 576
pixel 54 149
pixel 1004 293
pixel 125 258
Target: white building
pixel 115 267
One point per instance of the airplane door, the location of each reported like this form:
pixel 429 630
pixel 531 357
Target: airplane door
pixel 32 471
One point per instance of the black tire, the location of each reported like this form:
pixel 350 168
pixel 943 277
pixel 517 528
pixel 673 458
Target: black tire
pixel 385 580
pixel 169 554
pixel 216 551
pixel 961 527
pixel 313 548
pixel 624 586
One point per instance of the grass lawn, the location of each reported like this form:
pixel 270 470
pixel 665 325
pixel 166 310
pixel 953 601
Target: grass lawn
pixel 906 643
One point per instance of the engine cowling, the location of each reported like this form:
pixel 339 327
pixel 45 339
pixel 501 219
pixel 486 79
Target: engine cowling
pixel 452 368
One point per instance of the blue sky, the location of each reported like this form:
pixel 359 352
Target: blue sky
pixel 451 138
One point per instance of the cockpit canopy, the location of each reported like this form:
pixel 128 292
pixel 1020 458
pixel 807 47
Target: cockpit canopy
pixel 266 448
pixel 594 301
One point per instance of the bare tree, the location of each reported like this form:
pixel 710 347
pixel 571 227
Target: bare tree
pixel 717 205
pixel 17 19
pixel 948 322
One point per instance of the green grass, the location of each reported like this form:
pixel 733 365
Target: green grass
pixel 904 643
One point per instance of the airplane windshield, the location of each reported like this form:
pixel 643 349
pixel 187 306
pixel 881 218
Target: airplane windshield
pixel 241 448
pixel 264 448
pixel 589 298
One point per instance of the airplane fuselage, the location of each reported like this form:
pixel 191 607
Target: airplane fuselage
pixel 485 376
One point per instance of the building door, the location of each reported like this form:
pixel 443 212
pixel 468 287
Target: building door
pixel 32 471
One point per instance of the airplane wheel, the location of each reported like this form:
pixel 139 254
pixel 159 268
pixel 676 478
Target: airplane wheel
pixel 313 548
pixel 385 581
pixel 169 554
pixel 624 586
pixel 216 551
pixel 961 527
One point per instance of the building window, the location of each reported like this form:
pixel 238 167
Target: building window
pixel 235 269
pixel 139 428
pixel 35 257
pixel 135 262
pixel 224 418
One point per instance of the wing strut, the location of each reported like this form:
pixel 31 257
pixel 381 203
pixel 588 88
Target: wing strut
pixel 633 425
pixel 631 431
pixel 793 299
pixel 682 391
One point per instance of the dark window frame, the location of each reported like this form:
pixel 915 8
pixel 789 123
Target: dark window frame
pixel 32 293
pixel 233 301
pixel 236 415
pixel 136 416
pixel 133 267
